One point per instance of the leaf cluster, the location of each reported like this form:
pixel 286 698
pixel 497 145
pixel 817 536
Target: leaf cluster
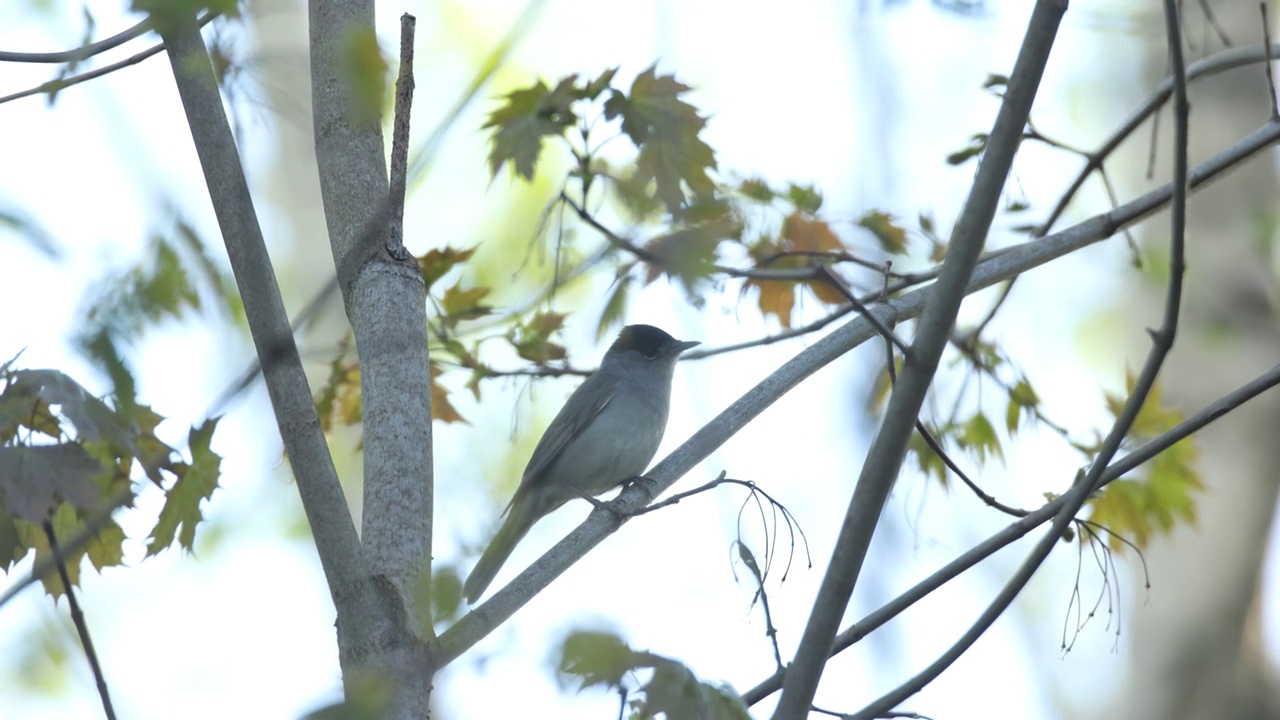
pixel 595 658
pixel 67 459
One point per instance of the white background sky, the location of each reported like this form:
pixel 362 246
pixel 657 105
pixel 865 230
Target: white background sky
pixel 864 105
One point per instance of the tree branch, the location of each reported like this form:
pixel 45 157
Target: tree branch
pixel 385 299
pixel 885 457
pixel 1162 343
pixel 83 52
pixel 55 85
pixel 77 618
pixel 1016 530
pixel 400 139
pixel 322 497
pixel 995 268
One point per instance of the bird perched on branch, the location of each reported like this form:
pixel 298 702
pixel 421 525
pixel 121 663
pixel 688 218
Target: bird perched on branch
pixel 606 434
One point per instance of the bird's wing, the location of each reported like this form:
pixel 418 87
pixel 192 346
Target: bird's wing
pixel 584 405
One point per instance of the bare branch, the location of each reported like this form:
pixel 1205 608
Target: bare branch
pixel 1163 340
pixel 1271 81
pixel 400 139
pixel 56 85
pixel 1212 65
pixel 884 460
pixel 322 495
pixel 77 617
pixel 84 52
pixel 996 267
pixel 1016 530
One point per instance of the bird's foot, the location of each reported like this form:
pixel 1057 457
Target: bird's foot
pixel 597 504
pixel 644 483
pixel 613 506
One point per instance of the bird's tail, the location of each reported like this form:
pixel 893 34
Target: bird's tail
pixel 519 520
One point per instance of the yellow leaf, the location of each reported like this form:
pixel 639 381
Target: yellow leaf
pixel 777 298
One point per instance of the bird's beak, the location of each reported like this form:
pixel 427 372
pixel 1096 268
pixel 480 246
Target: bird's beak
pixel 686 344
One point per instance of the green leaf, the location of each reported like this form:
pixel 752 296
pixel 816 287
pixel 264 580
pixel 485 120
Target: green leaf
pixel 676 692
pixel 11 547
pixel 688 254
pixel 66 524
pixel 195 483
pixel 665 129
pixel 532 339
pixel 892 238
pixel 929 462
pixel 92 418
pixel 446 593
pixel 757 189
pixel 597 86
pixel 977 143
pixel 977 433
pixel 1021 396
pixel 805 198
pixel 527 116
pixel 36 480
pixel 614 309
pixel 595 658
pixel 106 549
pixel 1161 493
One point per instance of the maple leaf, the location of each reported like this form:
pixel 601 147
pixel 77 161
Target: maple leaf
pixel 441 408
pixel 439 261
pixel 35 480
pixel 195 483
pixel 529 115
pixel 893 239
pixel 665 129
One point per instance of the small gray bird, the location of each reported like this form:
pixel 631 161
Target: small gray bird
pixel 605 434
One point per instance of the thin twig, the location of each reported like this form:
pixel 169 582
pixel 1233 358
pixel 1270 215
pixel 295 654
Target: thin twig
pixel 1266 38
pixel 54 86
pixel 88 531
pixel 824 273
pixel 749 559
pixel 1162 343
pixel 884 460
pixel 1213 23
pixel 1016 530
pixel 400 139
pixel 995 267
pixel 79 54
pixel 77 617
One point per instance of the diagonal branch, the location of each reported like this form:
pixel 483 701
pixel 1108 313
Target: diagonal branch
pixel 1019 528
pixel 81 53
pixel 885 457
pixel 53 86
pixel 322 496
pixel 1162 343
pixel 995 268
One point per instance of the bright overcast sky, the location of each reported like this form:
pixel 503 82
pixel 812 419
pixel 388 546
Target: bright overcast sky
pixel 864 106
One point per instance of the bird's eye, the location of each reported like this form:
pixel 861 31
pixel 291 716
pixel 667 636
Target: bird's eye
pixel 651 353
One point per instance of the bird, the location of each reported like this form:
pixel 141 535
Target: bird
pixel 606 434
